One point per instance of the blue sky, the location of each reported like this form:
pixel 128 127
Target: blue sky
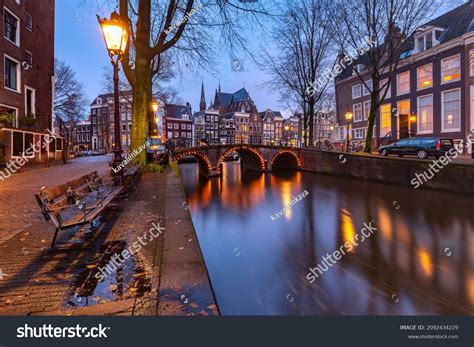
pixel 80 44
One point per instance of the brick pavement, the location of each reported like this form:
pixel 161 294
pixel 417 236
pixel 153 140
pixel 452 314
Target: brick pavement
pixel 18 208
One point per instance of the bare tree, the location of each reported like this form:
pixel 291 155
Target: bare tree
pixel 303 50
pixel 69 101
pixel 183 29
pixel 387 24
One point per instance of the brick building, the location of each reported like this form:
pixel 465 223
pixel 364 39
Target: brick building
pixel 82 136
pixel 102 121
pixel 26 82
pixel 210 119
pixel 432 90
pixel 272 127
pixel 178 124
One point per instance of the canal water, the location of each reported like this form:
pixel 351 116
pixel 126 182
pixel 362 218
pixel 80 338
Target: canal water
pixel 418 257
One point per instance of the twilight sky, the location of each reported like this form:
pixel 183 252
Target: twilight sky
pixel 80 44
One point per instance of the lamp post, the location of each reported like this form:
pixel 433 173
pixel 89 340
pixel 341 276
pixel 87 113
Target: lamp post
pixel 286 134
pixel 115 31
pixel 348 117
pixel 155 106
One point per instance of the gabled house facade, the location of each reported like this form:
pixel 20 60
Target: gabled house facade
pixel 431 92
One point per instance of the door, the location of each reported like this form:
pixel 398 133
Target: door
pixel 403 120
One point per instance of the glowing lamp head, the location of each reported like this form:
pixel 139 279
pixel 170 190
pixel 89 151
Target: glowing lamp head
pixel 348 116
pixel 155 106
pixel 115 32
pixel 287 128
pixel 413 118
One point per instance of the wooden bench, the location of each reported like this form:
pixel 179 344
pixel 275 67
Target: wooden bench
pixel 78 202
pixel 131 176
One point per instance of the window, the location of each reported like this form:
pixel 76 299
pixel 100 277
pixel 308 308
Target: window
pixel 28 21
pixel 385 85
pixel 472 107
pixel 471 63
pixel 183 126
pixel 12 74
pixel 10 27
pixel 425 114
pixel 176 125
pixel 366 109
pixel 368 90
pixel 29 58
pixel 176 134
pixel 403 83
pixel 189 126
pixel 425 76
pixel 356 91
pixel 451 69
pixel 403 107
pixel 424 42
pixel 385 119
pixel 358 133
pixel 357 109
pixel 30 101
pixel 451 110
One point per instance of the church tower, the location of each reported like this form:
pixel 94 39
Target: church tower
pixel 202 104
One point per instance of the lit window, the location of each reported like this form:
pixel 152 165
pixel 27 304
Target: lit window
pixel 384 85
pixel 425 76
pixel 357 110
pixel 403 107
pixel 356 91
pixel 451 106
pixel 403 83
pixel 425 114
pixel 385 119
pixel 451 69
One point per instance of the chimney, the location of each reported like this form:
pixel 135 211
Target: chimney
pixel 188 105
pixel 394 35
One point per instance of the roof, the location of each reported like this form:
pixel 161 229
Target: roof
pixel 456 23
pixel 275 114
pixel 225 99
pixel 177 111
pixel 111 95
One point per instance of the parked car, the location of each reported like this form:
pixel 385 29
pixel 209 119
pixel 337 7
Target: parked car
pixel 422 147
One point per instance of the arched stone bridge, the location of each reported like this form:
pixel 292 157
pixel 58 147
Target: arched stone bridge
pixel 253 157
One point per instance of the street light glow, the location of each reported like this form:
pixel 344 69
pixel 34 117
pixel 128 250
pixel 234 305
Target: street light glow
pixel 115 33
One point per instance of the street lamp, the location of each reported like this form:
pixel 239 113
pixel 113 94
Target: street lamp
pixel 115 31
pixel 348 117
pixel 286 135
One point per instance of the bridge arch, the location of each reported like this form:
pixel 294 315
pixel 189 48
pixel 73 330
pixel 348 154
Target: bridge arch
pixel 285 159
pixel 205 166
pixel 251 157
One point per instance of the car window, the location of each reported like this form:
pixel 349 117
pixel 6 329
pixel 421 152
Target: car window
pixel 417 142
pixel 429 142
pixel 446 142
pixel 402 143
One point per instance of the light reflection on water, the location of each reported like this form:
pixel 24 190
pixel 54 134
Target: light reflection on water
pixel 259 266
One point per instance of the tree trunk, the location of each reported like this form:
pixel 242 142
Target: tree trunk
pixel 311 124
pixel 371 123
pixel 140 113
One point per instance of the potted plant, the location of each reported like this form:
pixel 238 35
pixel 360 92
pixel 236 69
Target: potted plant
pixel 6 119
pixel 28 120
